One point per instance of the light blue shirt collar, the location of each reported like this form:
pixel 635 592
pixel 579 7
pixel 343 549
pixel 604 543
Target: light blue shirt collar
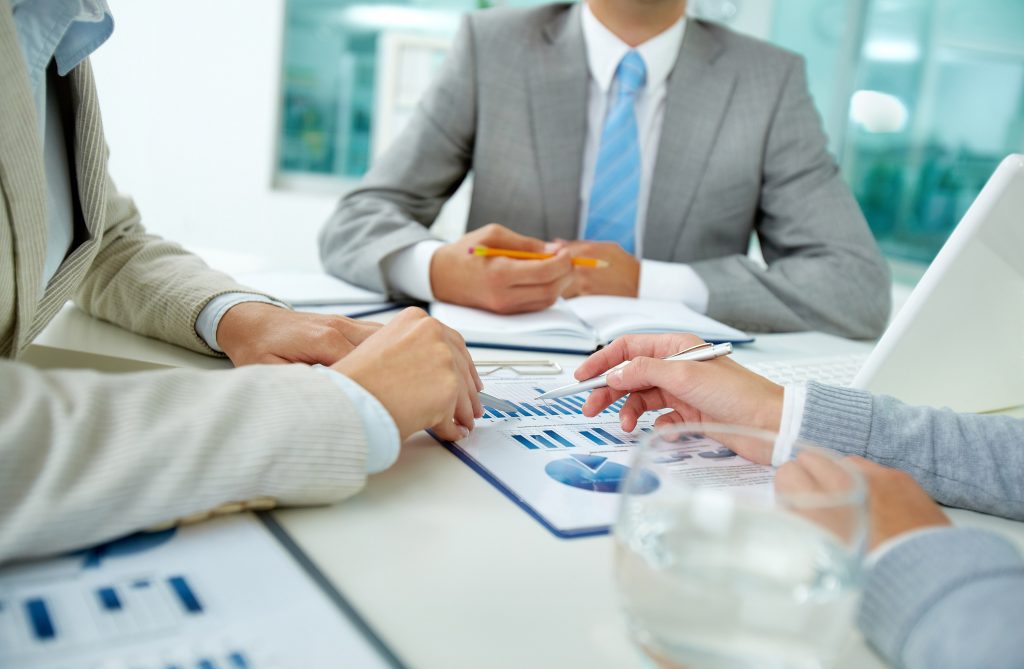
pixel 63 30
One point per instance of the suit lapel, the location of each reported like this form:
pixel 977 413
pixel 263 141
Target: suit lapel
pixel 697 97
pixel 22 178
pixel 89 164
pixel 90 149
pixel 558 104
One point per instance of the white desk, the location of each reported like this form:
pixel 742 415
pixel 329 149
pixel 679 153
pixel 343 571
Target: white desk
pixel 446 569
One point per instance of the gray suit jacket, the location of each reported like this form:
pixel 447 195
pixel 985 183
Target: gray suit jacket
pixel 926 592
pixel 741 150
pixel 85 457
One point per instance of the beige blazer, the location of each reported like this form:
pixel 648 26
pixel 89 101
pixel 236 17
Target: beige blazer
pixel 85 457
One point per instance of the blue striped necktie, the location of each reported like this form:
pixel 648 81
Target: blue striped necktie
pixel 611 215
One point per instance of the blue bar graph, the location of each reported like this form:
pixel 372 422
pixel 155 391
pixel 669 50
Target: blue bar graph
pixel 39 617
pixel 542 441
pixel 206 663
pixel 109 599
pixel 141 583
pixel 574 400
pixel 525 442
pixel 529 409
pixel 592 438
pixel 559 438
pixel 238 660
pixel 608 435
pixel 569 406
pixel 184 592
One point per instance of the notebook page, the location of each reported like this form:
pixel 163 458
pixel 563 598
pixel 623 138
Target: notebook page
pixel 612 317
pixel 557 320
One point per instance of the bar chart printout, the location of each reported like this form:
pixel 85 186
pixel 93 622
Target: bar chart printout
pixel 221 595
pixel 565 469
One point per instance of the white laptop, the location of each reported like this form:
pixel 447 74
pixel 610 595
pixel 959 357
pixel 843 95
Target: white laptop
pixel 958 341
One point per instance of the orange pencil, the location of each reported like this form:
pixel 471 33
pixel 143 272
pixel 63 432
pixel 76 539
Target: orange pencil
pixel 488 252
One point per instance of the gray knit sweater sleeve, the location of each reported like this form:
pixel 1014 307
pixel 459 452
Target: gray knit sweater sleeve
pixel 968 461
pixel 949 598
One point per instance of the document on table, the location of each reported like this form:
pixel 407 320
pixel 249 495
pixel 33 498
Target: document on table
pixel 318 292
pixel 224 594
pixel 564 469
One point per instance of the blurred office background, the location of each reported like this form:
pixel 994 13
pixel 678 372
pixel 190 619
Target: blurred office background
pixel 236 124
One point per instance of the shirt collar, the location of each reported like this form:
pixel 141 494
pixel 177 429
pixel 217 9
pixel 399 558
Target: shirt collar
pixel 605 50
pixel 67 31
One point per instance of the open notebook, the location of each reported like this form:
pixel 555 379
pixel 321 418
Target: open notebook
pixel 582 324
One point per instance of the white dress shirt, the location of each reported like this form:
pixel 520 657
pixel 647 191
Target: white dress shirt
pixel 409 269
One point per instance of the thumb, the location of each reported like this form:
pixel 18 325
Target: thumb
pixel 502 237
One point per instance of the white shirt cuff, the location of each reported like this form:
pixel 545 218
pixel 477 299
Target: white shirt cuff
pixel 382 438
pixel 408 271
pixel 209 317
pixel 674 282
pixel 794 399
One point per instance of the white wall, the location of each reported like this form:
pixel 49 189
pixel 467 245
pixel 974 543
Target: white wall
pixel 189 92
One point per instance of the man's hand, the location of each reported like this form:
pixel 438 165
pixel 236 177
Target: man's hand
pixel 421 372
pixel 502 285
pixel 897 504
pixel 260 333
pixel 716 391
pixel 621 277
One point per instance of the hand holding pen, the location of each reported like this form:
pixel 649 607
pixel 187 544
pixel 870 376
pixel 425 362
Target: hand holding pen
pixel 716 391
pixel 695 353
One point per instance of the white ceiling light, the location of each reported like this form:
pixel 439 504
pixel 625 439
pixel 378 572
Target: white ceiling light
pixel 878 112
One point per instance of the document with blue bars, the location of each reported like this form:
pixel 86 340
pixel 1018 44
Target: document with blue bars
pixel 565 469
pixel 225 594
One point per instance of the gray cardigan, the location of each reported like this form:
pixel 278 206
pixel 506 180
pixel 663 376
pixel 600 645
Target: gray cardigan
pixel 951 597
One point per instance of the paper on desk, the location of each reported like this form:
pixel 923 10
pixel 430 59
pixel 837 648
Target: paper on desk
pixel 351 310
pixel 566 468
pixel 306 288
pixel 225 593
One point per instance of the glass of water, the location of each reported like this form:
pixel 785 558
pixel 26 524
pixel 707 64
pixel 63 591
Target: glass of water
pixel 722 564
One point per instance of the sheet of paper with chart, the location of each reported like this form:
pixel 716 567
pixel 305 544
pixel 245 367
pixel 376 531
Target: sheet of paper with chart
pixel 564 468
pixel 224 594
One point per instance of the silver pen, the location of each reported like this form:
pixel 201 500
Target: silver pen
pixel 493 402
pixel 704 351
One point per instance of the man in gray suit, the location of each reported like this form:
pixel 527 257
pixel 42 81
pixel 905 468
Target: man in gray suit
pixel 655 142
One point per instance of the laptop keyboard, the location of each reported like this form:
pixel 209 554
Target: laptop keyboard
pixel 836 370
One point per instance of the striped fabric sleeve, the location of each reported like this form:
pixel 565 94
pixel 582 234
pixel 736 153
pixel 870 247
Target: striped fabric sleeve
pixel 85 457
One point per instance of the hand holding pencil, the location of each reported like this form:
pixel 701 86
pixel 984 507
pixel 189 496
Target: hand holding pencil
pixel 501 283
pixel 499 270
pixel 578 261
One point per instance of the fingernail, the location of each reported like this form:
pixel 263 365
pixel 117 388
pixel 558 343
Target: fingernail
pixel 551 247
pixel 464 432
pixel 615 377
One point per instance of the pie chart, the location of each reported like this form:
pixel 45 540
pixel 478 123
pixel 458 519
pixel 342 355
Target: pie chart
pixel 598 474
